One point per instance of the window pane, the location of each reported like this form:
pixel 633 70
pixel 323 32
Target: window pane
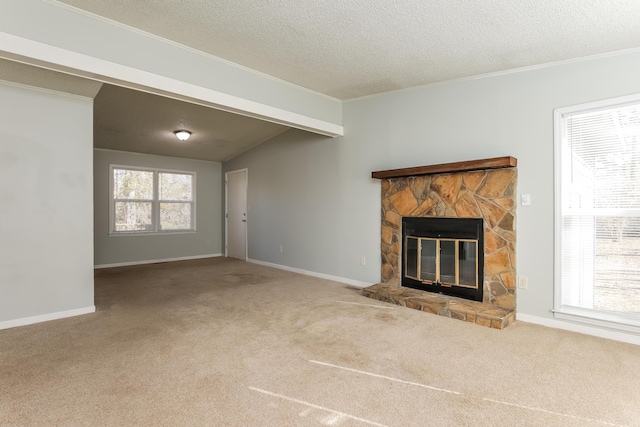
pixel 578 260
pixel 175 216
pixel 428 261
pixel 603 150
pixel 133 216
pixel 175 186
pixel 617 249
pixel 132 184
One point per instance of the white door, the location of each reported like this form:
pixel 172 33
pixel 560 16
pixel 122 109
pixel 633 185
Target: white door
pixel 236 215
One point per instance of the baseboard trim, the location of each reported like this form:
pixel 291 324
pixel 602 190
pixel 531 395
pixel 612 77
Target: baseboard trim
pixel 580 328
pixel 154 261
pixel 46 317
pixel 351 282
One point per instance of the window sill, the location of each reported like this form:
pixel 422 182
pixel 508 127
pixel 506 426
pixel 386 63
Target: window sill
pixel 151 233
pixel 609 320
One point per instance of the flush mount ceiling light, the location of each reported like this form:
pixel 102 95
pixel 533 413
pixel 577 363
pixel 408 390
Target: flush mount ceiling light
pixel 182 135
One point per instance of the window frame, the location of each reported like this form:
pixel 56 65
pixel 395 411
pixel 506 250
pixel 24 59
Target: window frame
pixel 155 202
pixel 608 319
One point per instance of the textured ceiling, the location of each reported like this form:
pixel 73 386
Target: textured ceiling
pixel 129 120
pixel 353 48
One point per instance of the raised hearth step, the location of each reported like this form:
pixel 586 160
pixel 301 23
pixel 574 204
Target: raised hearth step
pixel 443 305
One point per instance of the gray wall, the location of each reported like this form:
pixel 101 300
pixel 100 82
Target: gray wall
pixel 206 241
pixel 46 239
pixel 315 197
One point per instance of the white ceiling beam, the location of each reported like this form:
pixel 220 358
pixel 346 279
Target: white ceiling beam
pixel 57 59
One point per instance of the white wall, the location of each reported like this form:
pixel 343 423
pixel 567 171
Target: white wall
pixel 205 241
pixel 46 204
pixel 315 195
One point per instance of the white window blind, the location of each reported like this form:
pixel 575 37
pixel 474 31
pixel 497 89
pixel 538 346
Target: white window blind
pixel 599 212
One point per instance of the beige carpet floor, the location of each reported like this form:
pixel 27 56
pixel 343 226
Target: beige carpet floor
pixel 219 342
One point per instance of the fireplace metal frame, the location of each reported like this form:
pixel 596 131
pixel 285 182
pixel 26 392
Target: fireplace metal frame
pixel 445 229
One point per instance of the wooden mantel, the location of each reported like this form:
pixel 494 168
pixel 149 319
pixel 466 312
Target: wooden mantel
pixel 470 165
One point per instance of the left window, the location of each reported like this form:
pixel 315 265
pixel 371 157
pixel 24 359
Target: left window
pixel 151 200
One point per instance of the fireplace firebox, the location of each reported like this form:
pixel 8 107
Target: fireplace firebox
pixel 444 255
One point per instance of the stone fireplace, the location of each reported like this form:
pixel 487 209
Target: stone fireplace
pixel 480 190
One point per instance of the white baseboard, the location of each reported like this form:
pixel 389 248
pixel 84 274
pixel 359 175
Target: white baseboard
pixel 154 261
pixel 351 282
pixel 580 328
pixel 46 317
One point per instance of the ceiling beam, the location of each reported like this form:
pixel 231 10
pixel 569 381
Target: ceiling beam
pixel 57 59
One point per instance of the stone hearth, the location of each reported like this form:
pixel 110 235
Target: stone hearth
pixel 477 189
pixel 456 308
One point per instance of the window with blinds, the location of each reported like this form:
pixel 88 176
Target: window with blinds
pixel 598 212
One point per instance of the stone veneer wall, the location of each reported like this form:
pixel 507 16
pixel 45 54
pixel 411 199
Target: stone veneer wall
pixel 488 194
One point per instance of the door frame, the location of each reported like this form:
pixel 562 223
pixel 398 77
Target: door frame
pixel 226 211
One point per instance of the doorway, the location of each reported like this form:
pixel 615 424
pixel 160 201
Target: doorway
pixel 236 214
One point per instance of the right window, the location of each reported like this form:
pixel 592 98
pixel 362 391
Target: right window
pixel 597 151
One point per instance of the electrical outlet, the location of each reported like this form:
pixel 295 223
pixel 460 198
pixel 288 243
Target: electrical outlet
pixel 281 249
pixel 523 282
pixel 363 260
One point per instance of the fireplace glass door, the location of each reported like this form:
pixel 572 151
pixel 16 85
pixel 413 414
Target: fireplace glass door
pixel 444 255
pixel 444 262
